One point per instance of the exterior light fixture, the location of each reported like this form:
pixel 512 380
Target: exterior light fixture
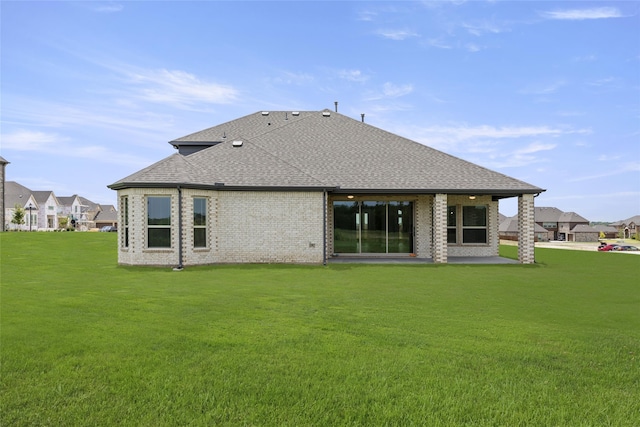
pixel 350 196
pixel 472 197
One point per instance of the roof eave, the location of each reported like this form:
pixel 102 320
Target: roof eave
pixel 498 193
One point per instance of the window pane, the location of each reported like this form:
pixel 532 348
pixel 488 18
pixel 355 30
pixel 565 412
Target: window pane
pixel 159 237
pixel 474 216
pixel 374 227
pixel 199 237
pixel 159 210
pixel 474 235
pixel 346 220
pixel 451 216
pixel 199 211
pixel 400 223
pixel 451 235
pixel 125 204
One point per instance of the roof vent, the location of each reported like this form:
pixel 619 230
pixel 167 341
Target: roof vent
pixel 265 113
pixel 295 113
pixel 237 143
pixel 326 113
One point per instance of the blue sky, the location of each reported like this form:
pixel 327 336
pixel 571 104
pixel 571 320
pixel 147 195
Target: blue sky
pixel 546 92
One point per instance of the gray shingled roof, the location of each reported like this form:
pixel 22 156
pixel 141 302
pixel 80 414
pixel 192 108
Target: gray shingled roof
pixel 510 225
pixel 634 219
pixel 16 194
pixel 319 150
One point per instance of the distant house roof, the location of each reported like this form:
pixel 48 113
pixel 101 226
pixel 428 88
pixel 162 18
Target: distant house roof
pixel 318 150
pixel 15 194
pixel 107 213
pixel 510 225
pixel 634 219
pixel 3 161
pixel 547 214
pixel 552 214
pixel 66 200
pixel 583 228
pixel 42 196
pixel 604 228
pixel 572 217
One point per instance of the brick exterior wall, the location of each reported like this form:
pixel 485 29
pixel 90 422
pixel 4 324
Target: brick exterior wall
pixel 491 248
pixel 439 252
pixel 526 230
pixel 280 227
pixel 423 215
pixel 242 227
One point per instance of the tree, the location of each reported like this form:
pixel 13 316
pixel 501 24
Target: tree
pixel 18 215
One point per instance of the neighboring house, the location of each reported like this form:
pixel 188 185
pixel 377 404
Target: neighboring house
pixel 509 230
pixel 3 164
pixel 568 226
pixel 19 195
pixel 628 228
pixel 106 215
pixel 558 225
pixel 70 208
pixel 302 187
pixel 608 231
pixel 76 209
pixel 47 210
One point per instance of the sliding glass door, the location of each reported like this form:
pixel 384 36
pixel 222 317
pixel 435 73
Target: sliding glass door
pixel 373 227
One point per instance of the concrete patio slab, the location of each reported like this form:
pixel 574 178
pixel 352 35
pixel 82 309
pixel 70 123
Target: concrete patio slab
pixel 414 260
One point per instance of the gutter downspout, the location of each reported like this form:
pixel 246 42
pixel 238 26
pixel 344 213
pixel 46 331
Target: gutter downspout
pixel 324 228
pixel 180 266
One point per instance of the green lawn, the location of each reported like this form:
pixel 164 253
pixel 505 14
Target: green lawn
pixel 85 342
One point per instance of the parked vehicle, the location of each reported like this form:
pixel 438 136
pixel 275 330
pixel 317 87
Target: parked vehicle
pixel 608 248
pixel 109 228
pixel 628 248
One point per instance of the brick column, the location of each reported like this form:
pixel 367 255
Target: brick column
pixel 439 249
pixel 526 224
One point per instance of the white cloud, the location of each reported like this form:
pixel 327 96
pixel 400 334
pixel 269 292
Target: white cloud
pixel 56 145
pixel 439 43
pixel 353 76
pixel 492 146
pixel 27 140
pixel 613 171
pixel 472 47
pixel 582 14
pixel 179 88
pixel 535 147
pixel 109 8
pixel 482 28
pixel 294 78
pixel 394 91
pixel 543 89
pixel 397 34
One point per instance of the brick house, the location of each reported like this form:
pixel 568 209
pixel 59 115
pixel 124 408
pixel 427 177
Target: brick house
pixel 303 187
pixel 628 228
pixel 568 226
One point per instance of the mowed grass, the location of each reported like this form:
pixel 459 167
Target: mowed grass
pixel 86 342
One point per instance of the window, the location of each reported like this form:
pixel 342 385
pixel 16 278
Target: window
pixel 452 224
pixel 199 222
pixel 124 207
pixel 474 224
pixel 159 222
pixel 471 226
